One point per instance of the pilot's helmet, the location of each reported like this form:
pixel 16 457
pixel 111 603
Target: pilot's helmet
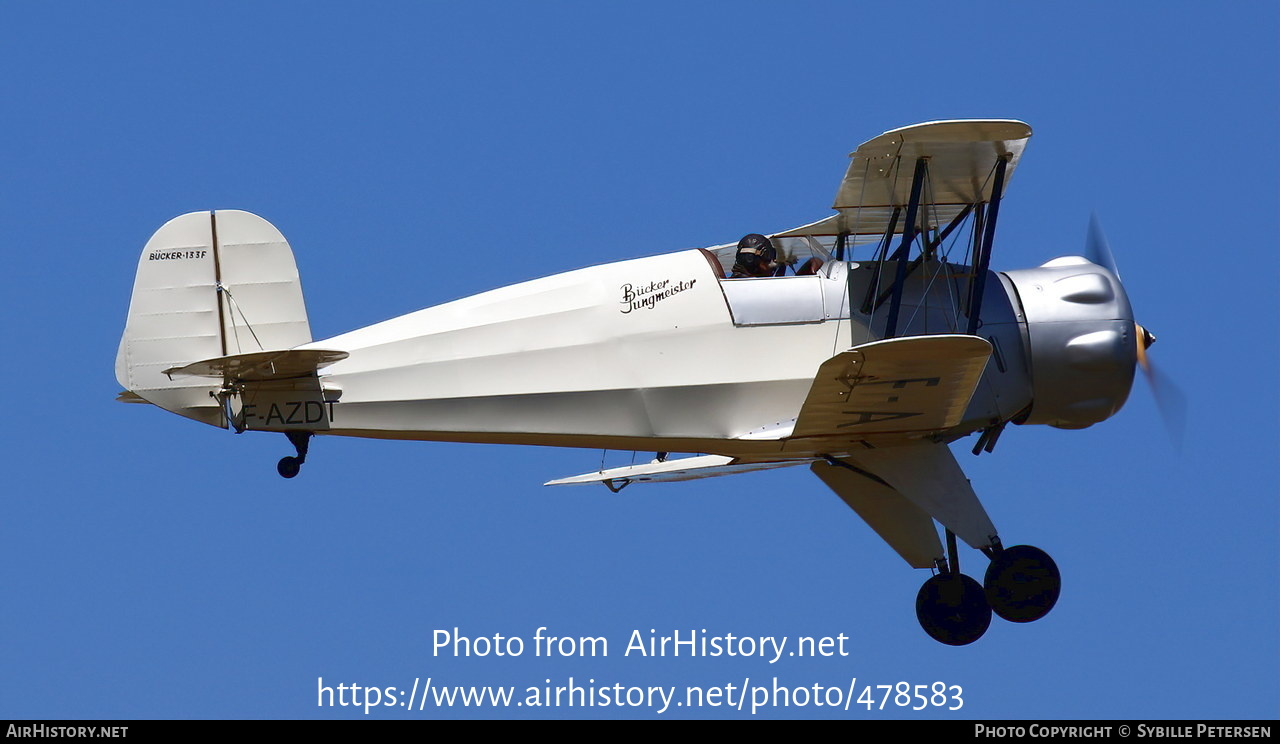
pixel 755 250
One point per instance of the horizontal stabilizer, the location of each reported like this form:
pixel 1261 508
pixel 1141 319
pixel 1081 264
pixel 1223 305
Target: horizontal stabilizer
pixel 683 469
pixel 260 366
pixel 908 384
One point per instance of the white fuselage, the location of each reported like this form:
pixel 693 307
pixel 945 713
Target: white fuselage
pixel 655 353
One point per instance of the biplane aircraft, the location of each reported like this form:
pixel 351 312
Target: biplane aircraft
pixel 859 345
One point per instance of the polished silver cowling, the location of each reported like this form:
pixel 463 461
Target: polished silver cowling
pixel 1082 340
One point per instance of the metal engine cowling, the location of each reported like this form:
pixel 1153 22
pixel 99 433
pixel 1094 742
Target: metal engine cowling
pixel 1082 339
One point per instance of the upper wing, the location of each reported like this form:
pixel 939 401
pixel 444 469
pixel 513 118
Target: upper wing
pixel 912 383
pixel 962 155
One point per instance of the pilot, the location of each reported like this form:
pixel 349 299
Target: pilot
pixel 756 257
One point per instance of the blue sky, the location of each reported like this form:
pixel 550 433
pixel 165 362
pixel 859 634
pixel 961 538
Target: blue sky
pixel 414 153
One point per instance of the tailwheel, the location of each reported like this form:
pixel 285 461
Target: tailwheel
pixel 952 608
pixel 288 467
pixel 1022 583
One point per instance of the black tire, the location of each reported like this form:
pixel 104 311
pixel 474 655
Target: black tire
pixel 1022 584
pixel 288 467
pixel 952 609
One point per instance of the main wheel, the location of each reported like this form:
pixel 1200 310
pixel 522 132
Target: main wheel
pixel 952 609
pixel 288 467
pixel 1022 584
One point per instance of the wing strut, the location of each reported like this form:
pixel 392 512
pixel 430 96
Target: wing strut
pixel 880 254
pixel 982 261
pixel 900 255
pixel 841 241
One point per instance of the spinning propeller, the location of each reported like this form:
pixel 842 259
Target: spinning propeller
pixel 1170 400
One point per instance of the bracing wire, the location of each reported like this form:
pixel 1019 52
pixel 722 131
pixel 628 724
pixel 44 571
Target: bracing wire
pixel 883 250
pixel 943 266
pixel 235 307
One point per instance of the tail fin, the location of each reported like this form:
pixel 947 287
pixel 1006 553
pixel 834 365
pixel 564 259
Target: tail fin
pixel 209 284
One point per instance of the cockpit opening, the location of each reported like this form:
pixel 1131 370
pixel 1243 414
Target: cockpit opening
pixel 757 256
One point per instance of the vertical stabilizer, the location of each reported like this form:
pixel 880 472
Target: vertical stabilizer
pixel 209 284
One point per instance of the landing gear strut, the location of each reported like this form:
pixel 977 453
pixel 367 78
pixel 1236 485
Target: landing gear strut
pixel 951 607
pixel 288 467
